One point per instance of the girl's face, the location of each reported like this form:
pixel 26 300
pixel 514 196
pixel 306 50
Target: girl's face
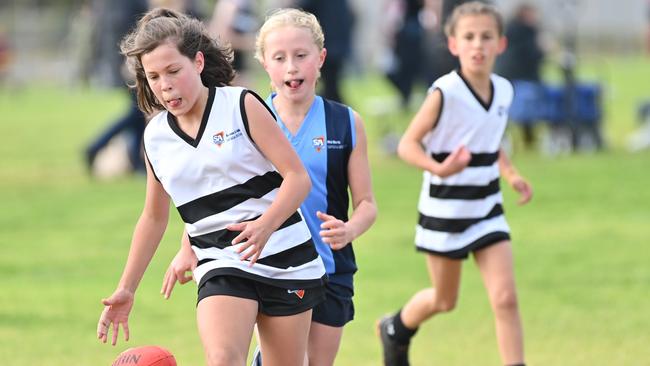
pixel 174 78
pixel 477 43
pixel 293 62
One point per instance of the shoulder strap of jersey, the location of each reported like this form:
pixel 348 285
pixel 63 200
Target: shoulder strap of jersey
pixel 339 148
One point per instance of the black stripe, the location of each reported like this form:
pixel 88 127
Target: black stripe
pixel 478 244
pixel 478 159
pixel 222 238
pixel 242 109
pixel 288 284
pixel 217 202
pixel 456 225
pixel 292 257
pixel 204 261
pixel 464 192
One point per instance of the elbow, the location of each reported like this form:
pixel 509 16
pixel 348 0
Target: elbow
pixel 401 149
pixel 304 182
pixel 373 214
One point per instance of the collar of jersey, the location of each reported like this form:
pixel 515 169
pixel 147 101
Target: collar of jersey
pixel 193 141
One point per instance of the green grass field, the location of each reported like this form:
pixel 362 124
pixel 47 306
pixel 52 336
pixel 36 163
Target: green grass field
pixel 580 246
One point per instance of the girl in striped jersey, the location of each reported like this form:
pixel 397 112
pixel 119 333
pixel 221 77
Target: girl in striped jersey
pixel 331 142
pixel 218 154
pixel 455 139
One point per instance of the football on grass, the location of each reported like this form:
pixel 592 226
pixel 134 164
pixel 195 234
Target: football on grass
pixel 145 356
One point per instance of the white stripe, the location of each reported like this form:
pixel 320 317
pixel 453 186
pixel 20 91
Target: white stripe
pixel 470 176
pixel 308 271
pixel 456 208
pixel 445 242
pixel 286 238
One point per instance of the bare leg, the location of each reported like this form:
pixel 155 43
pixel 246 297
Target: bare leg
pixel 225 325
pixel 283 339
pixel 495 264
pixel 445 277
pixel 324 343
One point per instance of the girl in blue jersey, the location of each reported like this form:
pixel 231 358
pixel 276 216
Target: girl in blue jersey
pixel 218 154
pixel 330 140
pixel 455 138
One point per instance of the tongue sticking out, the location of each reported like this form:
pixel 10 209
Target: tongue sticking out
pixel 174 103
pixel 294 83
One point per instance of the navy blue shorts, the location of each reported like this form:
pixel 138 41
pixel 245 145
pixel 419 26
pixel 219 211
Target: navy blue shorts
pixel 272 300
pixel 337 309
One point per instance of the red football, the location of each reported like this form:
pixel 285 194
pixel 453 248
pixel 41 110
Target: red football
pixel 145 356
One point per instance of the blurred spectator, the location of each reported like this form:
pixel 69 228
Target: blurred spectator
pixel 443 61
pixel 521 63
pixel 5 56
pixel 337 20
pixel 235 22
pixel 406 41
pixel 112 20
pixel 647 26
pixel 133 121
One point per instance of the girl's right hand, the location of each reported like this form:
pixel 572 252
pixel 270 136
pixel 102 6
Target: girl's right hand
pixel 116 311
pixel 184 261
pixel 455 162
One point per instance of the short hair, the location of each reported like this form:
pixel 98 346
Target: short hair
pixel 473 8
pixel 289 17
pixel 189 35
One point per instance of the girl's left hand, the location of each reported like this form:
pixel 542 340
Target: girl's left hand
pixel 253 238
pixel 335 232
pixel 522 187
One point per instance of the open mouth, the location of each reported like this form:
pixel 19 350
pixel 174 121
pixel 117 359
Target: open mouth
pixel 173 103
pixel 294 84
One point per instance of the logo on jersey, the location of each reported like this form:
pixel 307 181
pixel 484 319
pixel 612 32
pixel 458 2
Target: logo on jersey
pixel 299 293
pixel 218 139
pixel 222 137
pixel 335 145
pixel 501 111
pixel 318 143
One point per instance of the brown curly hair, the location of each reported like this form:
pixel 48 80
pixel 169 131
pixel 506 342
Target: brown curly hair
pixel 190 36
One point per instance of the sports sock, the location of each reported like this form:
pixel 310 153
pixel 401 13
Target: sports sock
pixel 402 334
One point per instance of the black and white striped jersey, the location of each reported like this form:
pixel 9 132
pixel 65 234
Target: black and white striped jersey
pixel 220 178
pixel 462 211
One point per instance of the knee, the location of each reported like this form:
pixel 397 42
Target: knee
pixel 505 302
pixel 444 303
pixel 223 357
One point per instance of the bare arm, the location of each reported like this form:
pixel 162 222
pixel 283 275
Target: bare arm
pixel 514 179
pixel 293 190
pixel 146 237
pixel 335 232
pixel 185 260
pixel 410 146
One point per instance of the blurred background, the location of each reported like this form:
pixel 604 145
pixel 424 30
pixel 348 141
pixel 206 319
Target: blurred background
pixel 71 182
pixel 50 40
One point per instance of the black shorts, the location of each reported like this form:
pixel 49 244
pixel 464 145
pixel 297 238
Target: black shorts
pixel 272 300
pixel 337 309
